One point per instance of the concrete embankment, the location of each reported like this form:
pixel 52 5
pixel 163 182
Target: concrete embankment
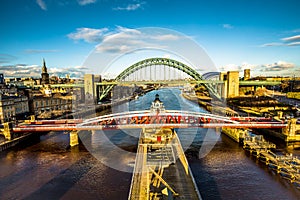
pixel 287 166
pixel 237 135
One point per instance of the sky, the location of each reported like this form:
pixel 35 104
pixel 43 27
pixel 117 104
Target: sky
pixel 263 35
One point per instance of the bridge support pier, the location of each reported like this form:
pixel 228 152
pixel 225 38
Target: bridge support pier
pixel 231 86
pixel 290 131
pixel 8 134
pixel 236 134
pixel 89 89
pixel 74 138
pixel 32 119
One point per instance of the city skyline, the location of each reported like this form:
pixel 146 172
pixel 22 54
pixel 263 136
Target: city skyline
pixel 261 35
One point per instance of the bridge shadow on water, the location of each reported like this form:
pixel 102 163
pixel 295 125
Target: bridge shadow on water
pixel 87 178
pixel 204 179
pixel 57 187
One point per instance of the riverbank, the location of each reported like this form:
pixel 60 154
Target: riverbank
pixel 210 105
pixel 262 106
pixel 7 144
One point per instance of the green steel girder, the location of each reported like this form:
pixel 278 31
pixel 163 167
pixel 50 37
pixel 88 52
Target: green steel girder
pixel 159 61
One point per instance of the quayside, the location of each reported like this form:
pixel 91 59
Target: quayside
pixel 161 169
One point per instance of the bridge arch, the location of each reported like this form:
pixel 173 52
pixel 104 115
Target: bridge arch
pixel 160 61
pixel 211 75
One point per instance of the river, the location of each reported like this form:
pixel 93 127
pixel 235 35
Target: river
pixel 100 167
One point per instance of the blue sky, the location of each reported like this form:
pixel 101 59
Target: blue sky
pixel 263 35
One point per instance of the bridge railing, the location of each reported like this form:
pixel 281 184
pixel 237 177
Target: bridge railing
pixel 145 118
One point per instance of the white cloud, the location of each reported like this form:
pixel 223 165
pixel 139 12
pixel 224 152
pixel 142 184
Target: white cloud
pixel 42 4
pixel 165 37
pixel 277 66
pixel 227 26
pixel 86 2
pixel 280 68
pixel 89 35
pixel 293 38
pixel 114 48
pixel 121 34
pixel 294 44
pixel 21 70
pixel 122 39
pixel 272 44
pixel 128 30
pixel 235 67
pixel 229 67
pixel 130 7
pixel 287 41
pixel 246 65
pixel 81 67
pixel 74 72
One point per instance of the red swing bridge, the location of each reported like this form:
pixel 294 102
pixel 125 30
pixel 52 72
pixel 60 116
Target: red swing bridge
pixel 149 119
pixel 156 117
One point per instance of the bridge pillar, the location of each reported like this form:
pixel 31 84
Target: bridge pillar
pixel 236 134
pixel 74 138
pixel 291 128
pixel 233 84
pixel 8 134
pixel 89 88
pixel 32 118
pixel 223 90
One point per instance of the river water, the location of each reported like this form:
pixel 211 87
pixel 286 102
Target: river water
pixel 100 167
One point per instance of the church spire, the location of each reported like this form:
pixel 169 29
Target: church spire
pixel 45 75
pixel 44 68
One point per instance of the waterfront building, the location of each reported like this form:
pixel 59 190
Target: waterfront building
pixel 13 108
pixel 28 82
pixel 47 106
pixel 7 109
pixel 21 107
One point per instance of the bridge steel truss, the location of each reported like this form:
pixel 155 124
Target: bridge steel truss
pixel 147 119
pixel 160 61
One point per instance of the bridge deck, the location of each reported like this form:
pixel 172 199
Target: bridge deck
pixel 161 169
